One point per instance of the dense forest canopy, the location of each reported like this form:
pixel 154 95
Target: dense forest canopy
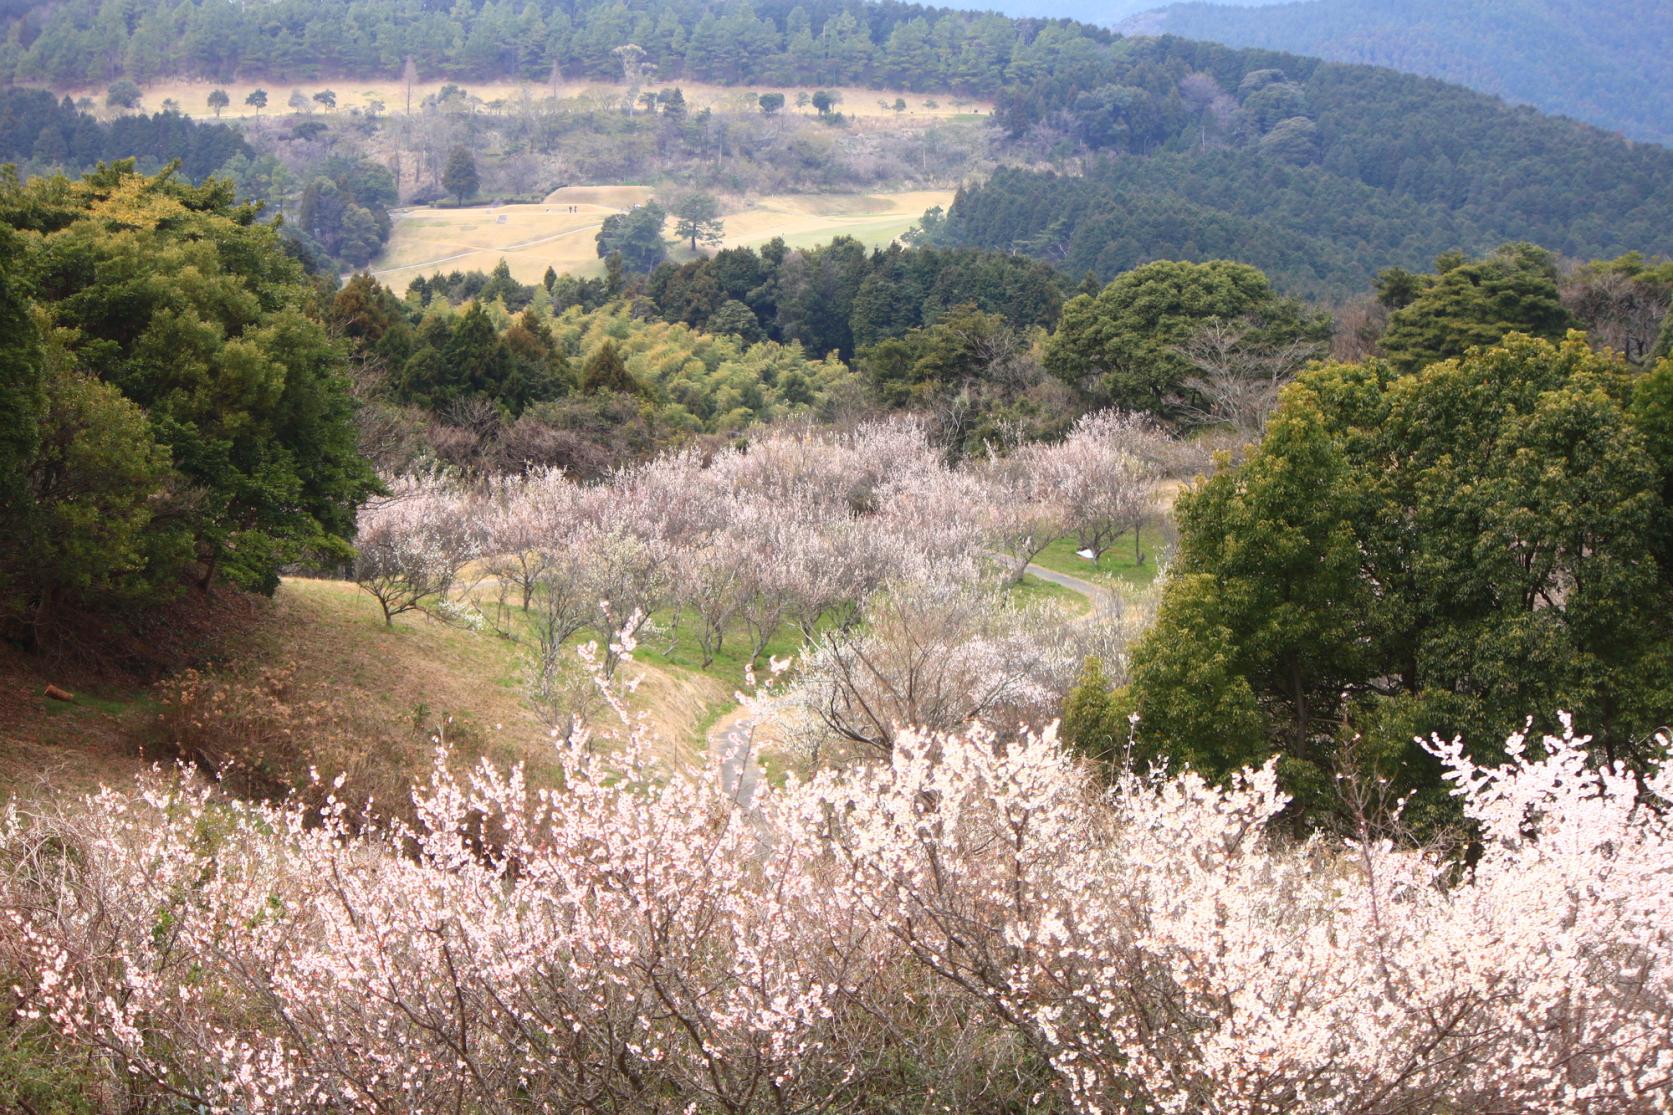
pixel 35 125
pixel 900 45
pixel 1318 173
pixel 1602 61
pixel 1409 553
pixel 175 409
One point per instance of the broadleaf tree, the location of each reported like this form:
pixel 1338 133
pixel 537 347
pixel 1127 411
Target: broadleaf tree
pixel 1444 552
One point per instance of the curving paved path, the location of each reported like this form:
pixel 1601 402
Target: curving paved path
pixel 733 736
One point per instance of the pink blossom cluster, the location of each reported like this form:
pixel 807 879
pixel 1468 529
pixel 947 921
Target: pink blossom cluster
pixel 815 529
pixel 969 923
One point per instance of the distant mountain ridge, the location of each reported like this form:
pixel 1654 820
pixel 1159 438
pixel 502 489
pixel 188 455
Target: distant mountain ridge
pixel 1105 13
pixel 1601 61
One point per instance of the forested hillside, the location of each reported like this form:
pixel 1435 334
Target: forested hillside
pixel 823 42
pixel 1602 61
pixel 36 126
pixel 1103 12
pixel 1316 172
pixel 1319 173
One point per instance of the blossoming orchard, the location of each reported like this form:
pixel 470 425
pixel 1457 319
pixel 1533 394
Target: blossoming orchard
pixel 940 907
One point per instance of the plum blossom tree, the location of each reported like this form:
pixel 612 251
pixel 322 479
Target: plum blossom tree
pixel 980 907
pixel 1022 512
pixel 413 543
pixel 1104 476
pixel 931 648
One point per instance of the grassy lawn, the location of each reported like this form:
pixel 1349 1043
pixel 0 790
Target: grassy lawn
pixel 683 697
pixel 1032 590
pixel 1116 567
pixel 532 236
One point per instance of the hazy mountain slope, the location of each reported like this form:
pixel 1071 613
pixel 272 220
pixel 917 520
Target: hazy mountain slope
pixel 1601 61
pixel 1319 173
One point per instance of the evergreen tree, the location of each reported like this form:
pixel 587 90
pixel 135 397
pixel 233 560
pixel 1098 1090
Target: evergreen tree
pixel 634 237
pixel 1471 304
pixel 733 318
pixel 22 394
pixel 697 218
pixel 459 177
pixel 197 417
pixel 605 371
pixel 1123 343
pixel 1445 551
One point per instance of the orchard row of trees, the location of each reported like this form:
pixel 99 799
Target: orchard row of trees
pixel 885 563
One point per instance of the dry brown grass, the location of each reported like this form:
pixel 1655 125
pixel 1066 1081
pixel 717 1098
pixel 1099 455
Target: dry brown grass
pixel 326 685
pixel 531 238
pixel 313 680
pixel 352 93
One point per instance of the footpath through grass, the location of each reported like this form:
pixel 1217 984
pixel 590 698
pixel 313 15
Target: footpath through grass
pixel 1117 567
pixel 1033 590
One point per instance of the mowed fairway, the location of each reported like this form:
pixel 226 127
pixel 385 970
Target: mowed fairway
pixel 808 219
pixel 531 238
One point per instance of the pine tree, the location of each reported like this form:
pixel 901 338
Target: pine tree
pixel 459 178
pixel 605 371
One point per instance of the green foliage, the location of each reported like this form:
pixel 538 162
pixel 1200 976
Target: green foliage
pixel 122 94
pixel 838 298
pixel 697 218
pixel 195 414
pixel 453 357
pixel 96 482
pixel 1122 344
pixel 1319 174
pixel 699 382
pixel 345 209
pixel 459 177
pixel 635 236
pixel 1472 304
pixel 218 100
pixel 37 1075
pixel 1446 551
pixel 604 371
pixel 22 406
pixel 733 318
pixel 41 132
pixel 82 42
